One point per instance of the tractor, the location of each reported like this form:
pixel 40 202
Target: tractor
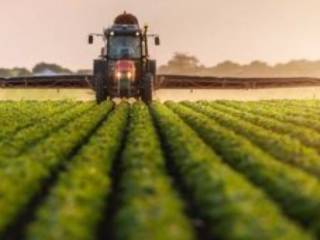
pixel 124 68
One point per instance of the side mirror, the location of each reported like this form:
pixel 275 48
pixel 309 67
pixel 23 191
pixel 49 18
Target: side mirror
pixel 90 39
pixel 157 41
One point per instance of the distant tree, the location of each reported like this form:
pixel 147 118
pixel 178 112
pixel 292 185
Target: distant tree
pixel 14 72
pixel 257 69
pixel 40 67
pixel 20 72
pixel 84 72
pixel 5 72
pixel 181 60
pixel 259 65
pixel 299 68
pixel 227 66
pixel 181 63
pixel 186 64
pixel 224 69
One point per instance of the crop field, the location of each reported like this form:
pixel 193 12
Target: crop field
pixel 180 171
pixel 162 95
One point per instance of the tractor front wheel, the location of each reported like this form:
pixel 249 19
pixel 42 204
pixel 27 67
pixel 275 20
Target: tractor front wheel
pixel 147 88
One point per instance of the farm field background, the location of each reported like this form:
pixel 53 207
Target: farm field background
pixel 189 170
pixel 162 95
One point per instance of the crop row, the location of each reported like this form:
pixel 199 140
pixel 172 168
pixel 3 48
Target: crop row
pixel 297 192
pixel 304 112
pixel 15 117
pixel 292 107
pixel 273 112
pixel 283 147
pixel 26 138
pixel 296 106
pixel 231 207
pixel 75 206
pixel 307 136
pixel 206 170
pixel 24 176
pixel 145 194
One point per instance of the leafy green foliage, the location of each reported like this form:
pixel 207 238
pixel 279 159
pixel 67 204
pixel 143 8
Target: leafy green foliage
pixel 76 204
pixel 148 206
pixel 296 191
pixel 307 136
pixel 23 177
pixel 278 113
pixel 26 137
pixel 206 170
pixel 231 206
pixel 281 146
pixel 16 116
pixel 40 67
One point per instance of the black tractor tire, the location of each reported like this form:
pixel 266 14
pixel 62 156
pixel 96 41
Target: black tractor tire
pixel 147 88
pixel 100 80
pixel 101 91
pixel 97 68
pixel 152 67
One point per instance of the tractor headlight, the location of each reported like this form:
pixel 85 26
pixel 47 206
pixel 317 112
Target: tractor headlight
pixel 129 75
pixel 118 75
pixel 126 75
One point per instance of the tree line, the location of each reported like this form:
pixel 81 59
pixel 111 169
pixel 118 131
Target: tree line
pixel 39 69
pixel 185 64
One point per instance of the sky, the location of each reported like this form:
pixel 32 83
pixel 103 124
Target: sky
pixel 213 30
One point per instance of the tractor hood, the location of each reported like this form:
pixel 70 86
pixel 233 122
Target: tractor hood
pixel 125 69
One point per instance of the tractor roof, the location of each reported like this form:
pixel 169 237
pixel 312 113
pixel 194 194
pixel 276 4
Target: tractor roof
pixel 126 18
pixel 123 29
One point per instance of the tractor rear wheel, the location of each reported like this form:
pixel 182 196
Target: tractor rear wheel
pixel 152 67
pixel 100 80
pixel 147 88
pixel 101 91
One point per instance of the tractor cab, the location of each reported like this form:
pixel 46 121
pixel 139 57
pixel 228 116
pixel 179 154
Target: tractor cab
pixel 124 68
pixel 124 42
pixel 124 47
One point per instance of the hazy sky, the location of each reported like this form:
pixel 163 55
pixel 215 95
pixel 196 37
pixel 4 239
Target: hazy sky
pixel 214 30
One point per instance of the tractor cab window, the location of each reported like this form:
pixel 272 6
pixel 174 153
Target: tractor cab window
pixel 124 47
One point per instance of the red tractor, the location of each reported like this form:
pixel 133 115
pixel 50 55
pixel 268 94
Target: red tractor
pixel 124 68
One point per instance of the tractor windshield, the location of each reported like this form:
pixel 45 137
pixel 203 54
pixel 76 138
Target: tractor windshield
pixel 124 47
